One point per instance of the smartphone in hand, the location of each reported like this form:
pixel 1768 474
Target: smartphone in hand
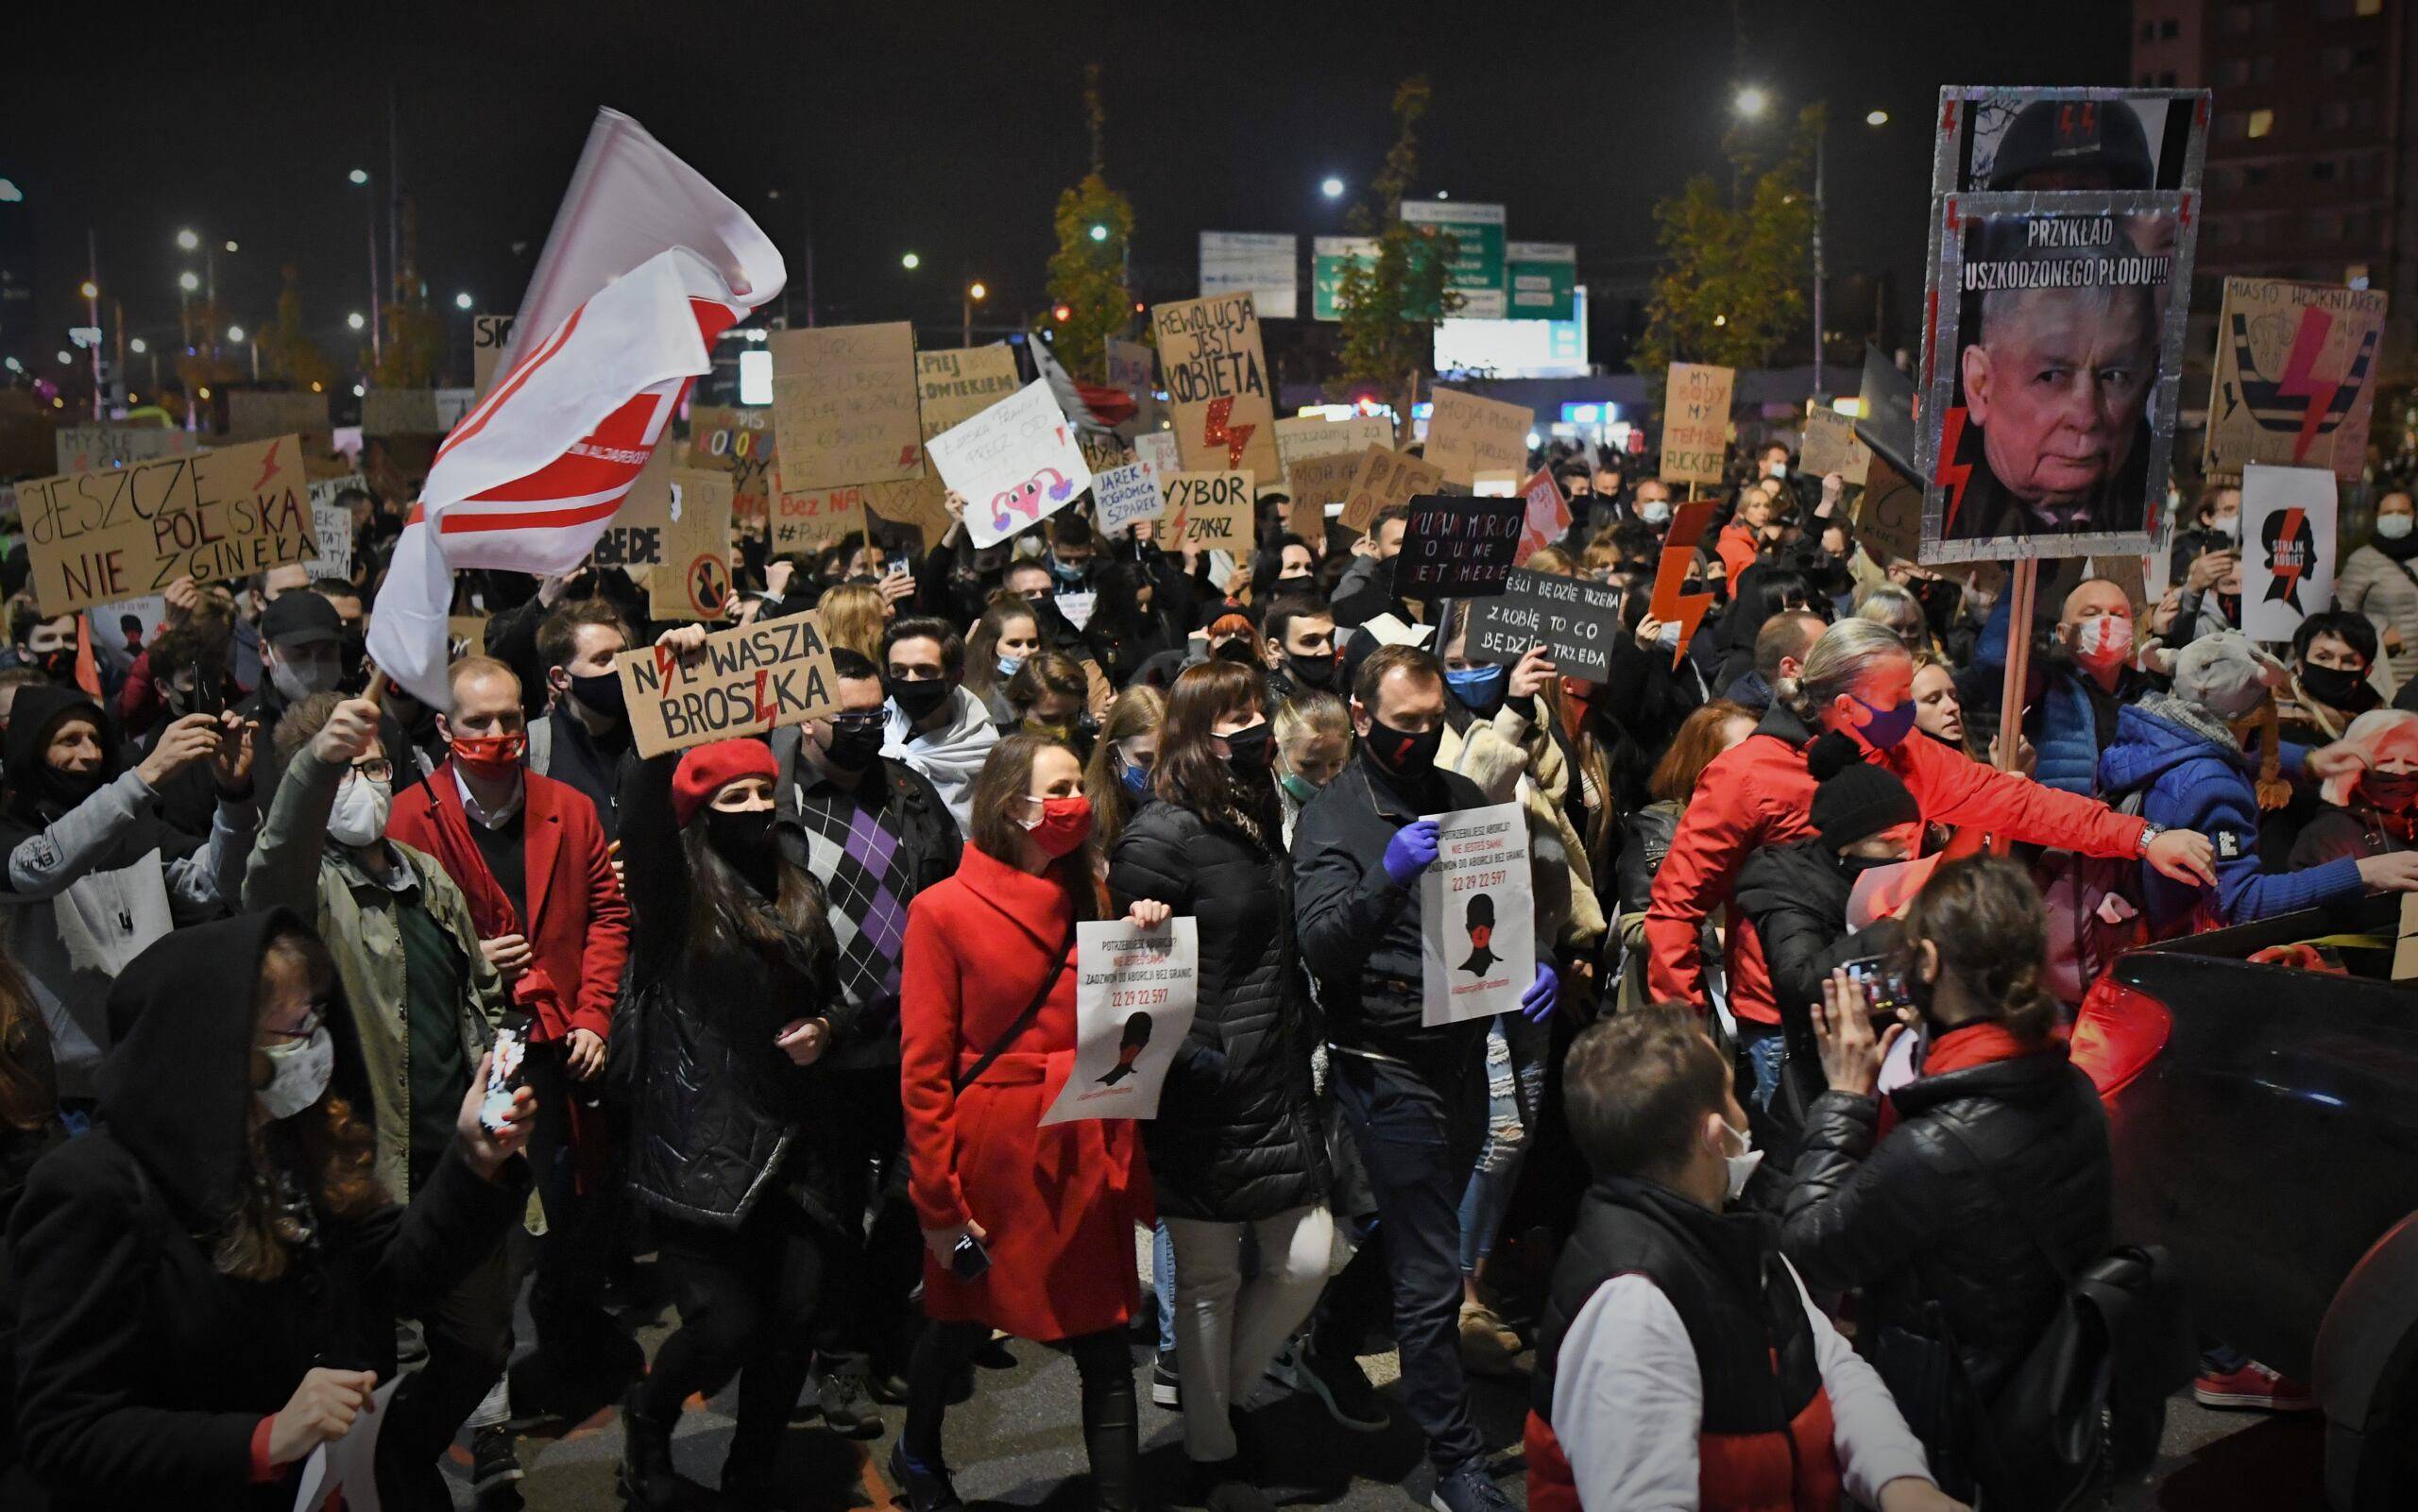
pixel 505 1074
pixel 969 1260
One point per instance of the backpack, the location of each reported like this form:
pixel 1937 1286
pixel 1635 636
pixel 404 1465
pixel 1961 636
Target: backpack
pixel 2087 1404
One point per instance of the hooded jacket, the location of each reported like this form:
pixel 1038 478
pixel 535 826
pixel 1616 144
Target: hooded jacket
pixel 146 1373
pixel 2193 775
pixel 949 757
pixel 92 881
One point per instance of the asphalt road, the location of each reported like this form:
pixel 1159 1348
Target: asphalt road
pixel 1017 1443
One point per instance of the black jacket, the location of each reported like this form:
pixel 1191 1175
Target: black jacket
pixel 1917 1222
pixel 143 1369
pixel 1797 898
pixel 1359 933
pixel 1236 1137
pixel 719 1115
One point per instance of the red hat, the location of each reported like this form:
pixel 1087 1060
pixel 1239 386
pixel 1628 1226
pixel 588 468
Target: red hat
pixel 709 769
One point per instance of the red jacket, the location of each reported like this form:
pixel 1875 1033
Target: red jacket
pixel 578 926
pixel 1736 547
pixel 1759 793
pixel 1058 1203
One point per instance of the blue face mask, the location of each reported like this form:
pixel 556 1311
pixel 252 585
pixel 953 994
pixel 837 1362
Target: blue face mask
pixel 1066 573
pixel 1888 725
pixel 1479 687
pixel 1008 665
pixel 1136 779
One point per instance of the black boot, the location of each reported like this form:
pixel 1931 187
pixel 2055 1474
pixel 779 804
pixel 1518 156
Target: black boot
pixel 646 1477
pixel 926 1486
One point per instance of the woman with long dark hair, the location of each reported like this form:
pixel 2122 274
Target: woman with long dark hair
pixel 1236 1145
pixel 1029 1228
pixel 206 1285
pixel 731 987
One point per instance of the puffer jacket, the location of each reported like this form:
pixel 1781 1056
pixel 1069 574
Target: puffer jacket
pixel 2374 584
pixel 1237 1137
pixel 1917 1222
pixel 1797 898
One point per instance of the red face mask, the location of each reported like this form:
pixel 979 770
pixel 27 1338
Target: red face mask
pixel 1064 826
pixel 490 756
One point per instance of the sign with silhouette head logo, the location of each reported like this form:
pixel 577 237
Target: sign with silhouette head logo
pixel 1016 464
pixel 1477 916
pixel 1134 994
pixel 2287 517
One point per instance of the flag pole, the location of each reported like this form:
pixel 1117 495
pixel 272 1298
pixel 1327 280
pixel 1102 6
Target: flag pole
pixel 2018 660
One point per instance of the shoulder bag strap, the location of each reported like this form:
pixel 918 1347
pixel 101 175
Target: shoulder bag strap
pixel 1023 1020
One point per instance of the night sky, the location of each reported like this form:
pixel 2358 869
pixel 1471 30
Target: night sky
pixel 947 130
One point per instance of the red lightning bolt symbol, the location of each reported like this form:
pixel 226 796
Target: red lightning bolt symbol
pixel 268 464
pixel 2285 562
pixel 2300 379
pixel 1217 430
pixel 667 664
pixel 764 704
pixel 1954 475
pixel 1678 559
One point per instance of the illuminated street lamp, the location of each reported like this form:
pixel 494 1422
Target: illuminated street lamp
pixel 1332 187
pixel 911 262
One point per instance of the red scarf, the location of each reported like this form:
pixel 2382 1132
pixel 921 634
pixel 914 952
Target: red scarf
pixel 1960 1049
pixel 462 859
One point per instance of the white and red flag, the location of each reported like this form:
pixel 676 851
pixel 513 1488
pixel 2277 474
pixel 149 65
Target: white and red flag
pixel 646 265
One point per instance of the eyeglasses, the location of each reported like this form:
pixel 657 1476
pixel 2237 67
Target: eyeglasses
pixel 872 718
pixel 376 769
pixel 312 1016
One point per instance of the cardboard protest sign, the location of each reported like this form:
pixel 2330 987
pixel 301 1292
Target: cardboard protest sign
pixel 413 411
pixel 738 441
pixel 332 525
pixel 465 634
pixel 818 517
pixel 94 536
pixel 1159 450
pixel 1209 511
pixel 98 448
pixel 1830 446
pixel 1672 604
pixel 1316 483
pixel 1125 494
pixel 1889 515
pixel 845 405
pixel 1477 916
pixel 1467 435
pixel 258 414
pixel 748 681
pixel 695 580
pixel 952 386
pixel 1387 479
pixel 1016 464
pixel 1131 366
pixel 2011 138
pixel 2296 377
pixel 1217 381
pixel 1695 422
pixel 635 538
pixel 1548 517
pixel 1576 620
pixel 1458 545
pixel 1135 990
pixel 2288 537
pixel 2075 464
pixel 489 336
pixel 1304 437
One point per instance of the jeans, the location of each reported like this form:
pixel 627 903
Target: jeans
pixel 1163 1285
pixel 1763 1046
pixel 747 1303
pixel 1112 1427
pixel 1515 1086
pixel 1226 1332
pixel 1416 1129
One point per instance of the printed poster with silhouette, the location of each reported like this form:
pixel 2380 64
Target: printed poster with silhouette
pixel 2288 548
pixel 1134 992
pixel 1477 916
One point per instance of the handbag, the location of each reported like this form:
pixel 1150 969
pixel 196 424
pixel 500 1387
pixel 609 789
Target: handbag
pixel 1023 1020
pixel 2089 1400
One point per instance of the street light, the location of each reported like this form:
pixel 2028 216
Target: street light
pixel 974 293
pixel 1876 118
pixel 138 345
pixel 354 320
pixel 89 289
pixel 1752 101
pixel 189 281
pixel 1099 233
pixel 188 240
pixel 1332 187
pixel 461 301
pixel 235 334
pixel 230 247
pixel 911 262
pixel 359 175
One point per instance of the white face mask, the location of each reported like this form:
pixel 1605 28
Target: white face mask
pixel 1668 637
pixel 359 816
pixel 1742 1164
pixel 1653 512
pixel 1774 469
pixel 302 1070
pixel 2102 640
pixel 2394 527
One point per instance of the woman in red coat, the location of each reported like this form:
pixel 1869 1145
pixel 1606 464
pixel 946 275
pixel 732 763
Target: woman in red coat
pixel 1053 1209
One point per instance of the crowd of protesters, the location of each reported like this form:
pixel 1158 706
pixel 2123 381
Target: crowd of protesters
pixel 787 1010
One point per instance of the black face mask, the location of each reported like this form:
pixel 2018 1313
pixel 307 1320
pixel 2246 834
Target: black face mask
pixel 1251 752
pixel 1853 867
pixel 1410 758
pixel 2335 687
pixel 1237 650
pixel 856 744
pixel 1312 671
pixel 58 666
pixel 745 840
pixel 918 700
pixel 600 692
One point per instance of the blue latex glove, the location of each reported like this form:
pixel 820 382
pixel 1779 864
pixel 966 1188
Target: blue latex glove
pixel 1411 851
pixel 1536 1004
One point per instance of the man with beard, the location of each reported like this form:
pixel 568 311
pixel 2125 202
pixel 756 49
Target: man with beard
pixel 2056 390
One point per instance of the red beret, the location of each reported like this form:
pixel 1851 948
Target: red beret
pixel 708 769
